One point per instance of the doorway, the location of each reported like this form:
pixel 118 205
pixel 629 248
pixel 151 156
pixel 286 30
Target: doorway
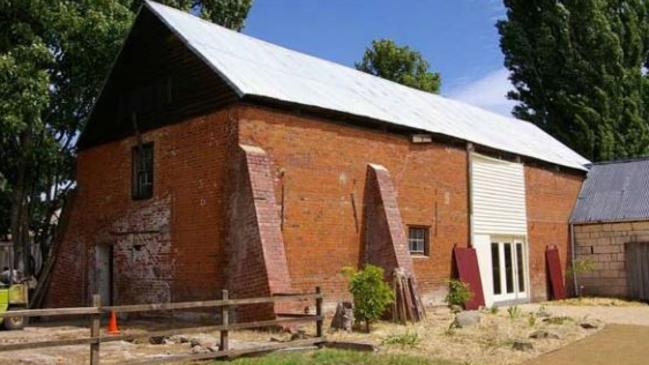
pixel 509 270
pixel 104 272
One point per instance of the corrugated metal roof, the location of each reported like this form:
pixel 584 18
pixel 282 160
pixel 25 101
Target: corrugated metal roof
pixel 614 191
pixel 257 68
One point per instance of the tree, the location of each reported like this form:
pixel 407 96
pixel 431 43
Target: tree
pixel 54 56
pixel 371 293
pixel 577 70
pixel 400 64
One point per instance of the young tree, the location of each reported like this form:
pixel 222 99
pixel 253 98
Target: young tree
pixel 400 64
pixel 54 56
pixel 577 67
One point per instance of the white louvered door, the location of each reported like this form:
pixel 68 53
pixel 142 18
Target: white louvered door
pixel 499 227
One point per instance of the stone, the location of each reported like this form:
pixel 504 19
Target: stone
pixel 467 319
pixel 298 335
pixel 203 341
pixel 456 308
pixel 522 345
pixel 344 317
pixel 543 334
pixel 198 349
pixel 588 325
pixel 158 340
pixel 179 338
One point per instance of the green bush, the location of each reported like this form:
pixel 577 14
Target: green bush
pixel 371 293
pixel 458 292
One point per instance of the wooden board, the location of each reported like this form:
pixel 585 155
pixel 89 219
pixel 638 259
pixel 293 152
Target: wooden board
pixel 466 261
pixel 637 269
pixel 557 288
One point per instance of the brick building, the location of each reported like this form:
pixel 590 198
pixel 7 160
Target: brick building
pixel 611 229
pixel 215 160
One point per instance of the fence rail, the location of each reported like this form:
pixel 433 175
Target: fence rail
pixel 95 339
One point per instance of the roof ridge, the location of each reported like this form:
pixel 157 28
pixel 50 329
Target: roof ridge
pixel 621 160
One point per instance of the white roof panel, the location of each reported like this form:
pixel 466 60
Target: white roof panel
pixel 256 67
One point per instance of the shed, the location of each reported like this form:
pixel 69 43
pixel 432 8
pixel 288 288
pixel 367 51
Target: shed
pixel 611 230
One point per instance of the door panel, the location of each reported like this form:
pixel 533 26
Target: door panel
pixel 509 269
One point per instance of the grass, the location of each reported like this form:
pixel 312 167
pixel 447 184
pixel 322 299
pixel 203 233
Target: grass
pixel 337 357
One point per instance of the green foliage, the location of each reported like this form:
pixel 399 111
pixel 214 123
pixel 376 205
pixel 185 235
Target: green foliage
pixel 371 293
pixel 494 309
pixel 577 69
pixel 400 64
pixel 336 357
pixel 458 293
pixel 581 266
pixel 54 56
pixel 514 312
pixel 407 339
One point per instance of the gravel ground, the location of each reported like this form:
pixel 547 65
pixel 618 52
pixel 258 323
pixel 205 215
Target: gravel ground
pixel 605 310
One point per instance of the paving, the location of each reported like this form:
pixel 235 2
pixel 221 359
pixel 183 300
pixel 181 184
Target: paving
pixel 617 344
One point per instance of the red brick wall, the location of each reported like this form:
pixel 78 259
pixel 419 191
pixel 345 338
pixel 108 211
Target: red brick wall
pixel 550 196
pixel 321 168
pixel 167 248
pixel 172 247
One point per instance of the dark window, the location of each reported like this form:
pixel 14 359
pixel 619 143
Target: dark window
pixel 509 268
pixel 143 171
pixel 495 267
pixel 418 240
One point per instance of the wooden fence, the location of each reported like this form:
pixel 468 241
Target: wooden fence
pixel 96 338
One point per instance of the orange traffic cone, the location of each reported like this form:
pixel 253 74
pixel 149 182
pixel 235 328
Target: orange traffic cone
pixel 112 324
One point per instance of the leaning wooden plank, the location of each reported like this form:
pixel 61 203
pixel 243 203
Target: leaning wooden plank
pixel 229 353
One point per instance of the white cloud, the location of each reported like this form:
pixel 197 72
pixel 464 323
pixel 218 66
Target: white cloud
pixel 488 92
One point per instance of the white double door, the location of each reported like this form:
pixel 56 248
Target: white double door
pixel 509 268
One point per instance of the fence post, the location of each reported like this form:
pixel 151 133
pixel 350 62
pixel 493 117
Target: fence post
pixel 318 312
pixel 95 323
pixel 225 321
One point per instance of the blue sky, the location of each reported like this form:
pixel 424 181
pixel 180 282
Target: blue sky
pixel 457 37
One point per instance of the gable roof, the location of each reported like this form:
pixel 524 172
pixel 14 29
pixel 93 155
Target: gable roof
pixel 614 191
pixel 255 68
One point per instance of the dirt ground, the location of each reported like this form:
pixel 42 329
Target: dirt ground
pixel 492 341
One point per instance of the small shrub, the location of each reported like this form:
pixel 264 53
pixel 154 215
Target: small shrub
pixel 408 339
pixel 371 293
pixel 494 309
pixel 458 293
pixel 514 312
pixel 531 319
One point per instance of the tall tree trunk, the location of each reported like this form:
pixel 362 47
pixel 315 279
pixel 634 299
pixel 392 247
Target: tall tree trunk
pixel 19 209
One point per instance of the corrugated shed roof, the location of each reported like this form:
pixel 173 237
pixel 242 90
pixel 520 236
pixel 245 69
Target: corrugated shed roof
pixel 257 68
pixel 614 191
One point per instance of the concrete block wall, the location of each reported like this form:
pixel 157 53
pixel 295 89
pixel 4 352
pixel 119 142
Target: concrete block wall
pixel 603 244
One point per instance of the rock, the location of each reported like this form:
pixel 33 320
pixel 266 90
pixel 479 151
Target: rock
pixel 467 319
pixel 198 349
pixel 204 341
pixel 179 338
pixel 214 348
pixel 522 345
pixel 543 334
pixel 158 340
pixel 344 317
pixel 456 308
pixel 298 335
pixel 588 325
